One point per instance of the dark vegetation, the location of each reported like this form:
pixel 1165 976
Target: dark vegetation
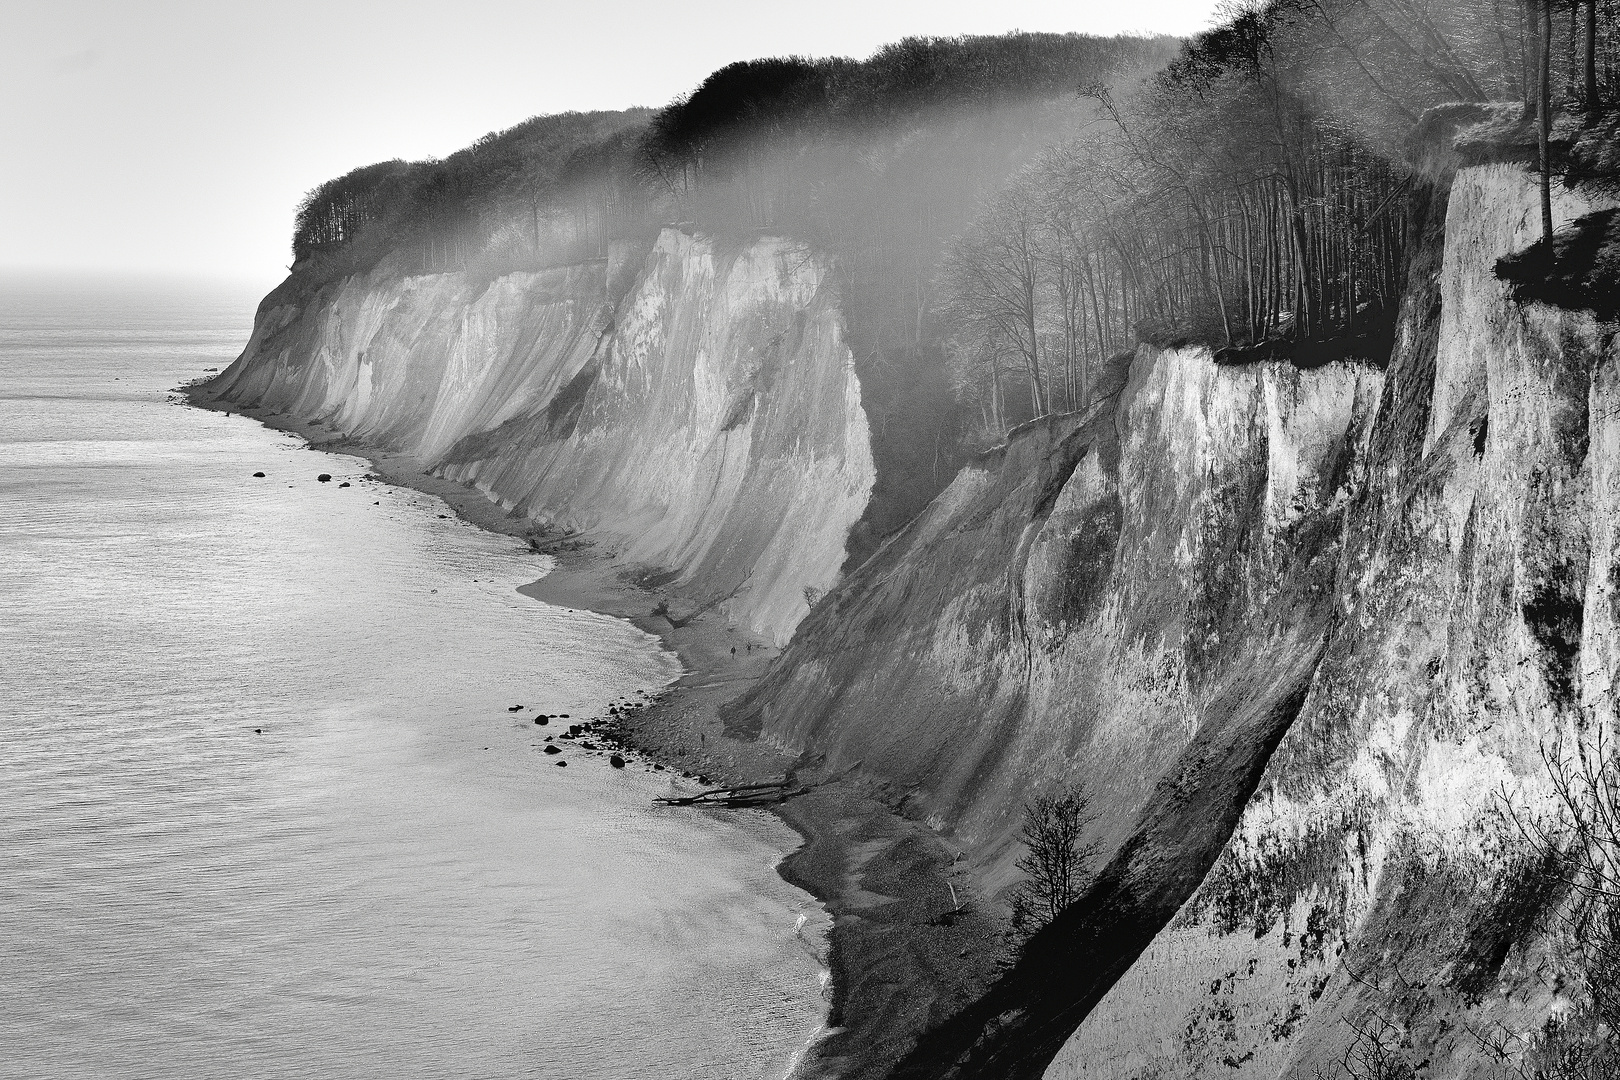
pixel 1057 860
pixel 1254 195
pixel 553 189
pixel 1583 272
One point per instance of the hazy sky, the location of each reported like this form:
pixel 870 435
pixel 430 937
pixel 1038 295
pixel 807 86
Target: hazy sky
pixel 171 136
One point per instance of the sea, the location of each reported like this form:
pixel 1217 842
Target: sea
pixel 265 809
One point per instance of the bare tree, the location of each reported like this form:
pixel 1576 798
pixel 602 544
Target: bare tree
pixel 1056 861
pixel 1378 1052
pixel 1582 838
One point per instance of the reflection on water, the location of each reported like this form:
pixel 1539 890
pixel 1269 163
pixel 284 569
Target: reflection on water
pixel 263 810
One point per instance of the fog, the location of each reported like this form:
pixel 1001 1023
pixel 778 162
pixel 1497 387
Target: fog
pixel 178 137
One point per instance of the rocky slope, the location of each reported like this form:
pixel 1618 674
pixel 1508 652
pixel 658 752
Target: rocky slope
pixel 1301 636
pixel 695 412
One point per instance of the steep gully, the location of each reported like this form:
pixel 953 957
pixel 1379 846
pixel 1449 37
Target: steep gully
pixel 1289 629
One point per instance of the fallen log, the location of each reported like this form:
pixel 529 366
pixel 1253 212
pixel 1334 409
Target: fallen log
pixel 741 796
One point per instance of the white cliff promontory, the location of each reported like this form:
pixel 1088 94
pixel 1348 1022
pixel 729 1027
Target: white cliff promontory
pixel 706 425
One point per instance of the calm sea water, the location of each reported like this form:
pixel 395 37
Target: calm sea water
pixel 263 810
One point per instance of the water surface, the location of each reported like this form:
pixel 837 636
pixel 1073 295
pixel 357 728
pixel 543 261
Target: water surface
pixel 263 808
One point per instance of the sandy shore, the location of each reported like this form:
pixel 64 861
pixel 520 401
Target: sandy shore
pixel 901 953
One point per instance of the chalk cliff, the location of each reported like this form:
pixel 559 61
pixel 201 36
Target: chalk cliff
pixel 1298 634
pixel 1374 891
pixel 695 411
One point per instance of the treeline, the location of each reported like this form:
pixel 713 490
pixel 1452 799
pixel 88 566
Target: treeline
pixel 877 162
pixel 552 189
pixel 1252 196
pixel 758 145
pixel 777 142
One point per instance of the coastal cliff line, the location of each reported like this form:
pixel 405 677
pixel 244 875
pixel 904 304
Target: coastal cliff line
pixel 1295 632
pixel 696 411
pixel 1301 635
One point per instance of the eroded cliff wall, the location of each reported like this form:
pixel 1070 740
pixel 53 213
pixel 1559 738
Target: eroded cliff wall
pixel 1375 897
pixel 697 413
pixel 1299 634
pixel 1401 581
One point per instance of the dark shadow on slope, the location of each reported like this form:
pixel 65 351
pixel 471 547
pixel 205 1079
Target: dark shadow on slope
pixel 1583 272
pixel 1016 1029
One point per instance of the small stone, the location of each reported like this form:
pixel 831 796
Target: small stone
pixel 258 731
pixel 562 763
pixel 514 708
pixel 553 750
pixel 324 478
pixel 541 721
pixel 259 475
pixel 344 484
pixel 616 761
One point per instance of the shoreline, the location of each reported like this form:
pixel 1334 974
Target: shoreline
pixel 889 884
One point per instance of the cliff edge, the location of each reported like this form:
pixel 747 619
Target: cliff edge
pixel 693 414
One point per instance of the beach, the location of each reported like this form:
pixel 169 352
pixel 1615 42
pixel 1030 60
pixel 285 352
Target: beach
pixel 269 810
pixel 886 879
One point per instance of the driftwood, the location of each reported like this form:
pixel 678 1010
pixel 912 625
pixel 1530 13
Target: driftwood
pixel 733 798
pixel 547 545
pixel 766 794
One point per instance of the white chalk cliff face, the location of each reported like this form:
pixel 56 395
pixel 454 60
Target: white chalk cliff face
pixel 1403 580
pixel 708 423
pixel 1373 877
pixel 1294 632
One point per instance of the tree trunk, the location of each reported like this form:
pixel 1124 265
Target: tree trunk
pixel 1545 124
pixel 1591 92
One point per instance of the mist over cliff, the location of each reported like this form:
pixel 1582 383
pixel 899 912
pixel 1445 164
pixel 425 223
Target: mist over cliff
pixel 1220 436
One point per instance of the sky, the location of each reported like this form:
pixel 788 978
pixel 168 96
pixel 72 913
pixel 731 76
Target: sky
pixel 176 138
